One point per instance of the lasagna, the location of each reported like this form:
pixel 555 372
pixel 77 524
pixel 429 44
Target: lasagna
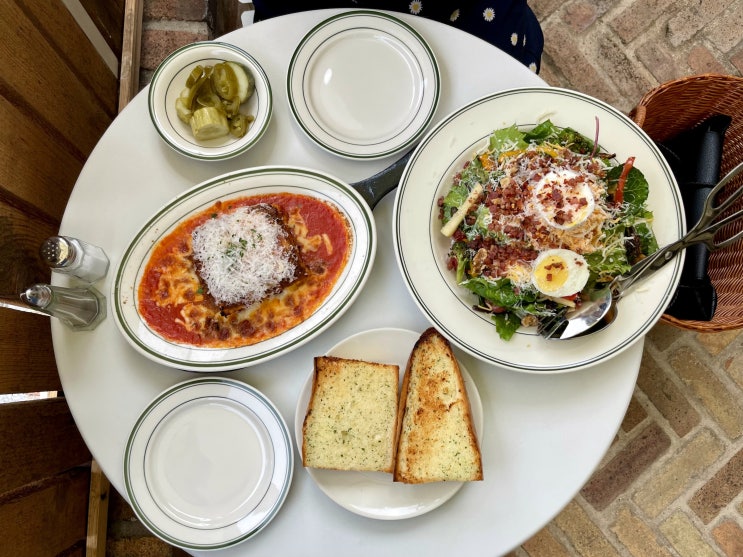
pixel 244 270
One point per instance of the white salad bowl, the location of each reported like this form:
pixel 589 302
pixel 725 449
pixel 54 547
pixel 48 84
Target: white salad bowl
pixel 421 248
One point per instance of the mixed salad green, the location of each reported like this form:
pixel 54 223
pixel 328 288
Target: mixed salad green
pixel 548 189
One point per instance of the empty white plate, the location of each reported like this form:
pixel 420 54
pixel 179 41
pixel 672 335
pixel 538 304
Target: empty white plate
pixel 363 84
pixel 208 464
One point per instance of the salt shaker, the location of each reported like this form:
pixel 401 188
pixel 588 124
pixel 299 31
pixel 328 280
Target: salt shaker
pixel 81 309
pixel 74 257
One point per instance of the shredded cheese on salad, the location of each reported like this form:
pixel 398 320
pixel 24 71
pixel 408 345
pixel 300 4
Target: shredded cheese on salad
pixel 541 218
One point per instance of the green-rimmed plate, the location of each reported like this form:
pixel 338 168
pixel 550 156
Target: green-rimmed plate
pixel 363 84
pixel 242 183
pixel 208 463
pixel 422 249
pixel 169 80
pixel 374 494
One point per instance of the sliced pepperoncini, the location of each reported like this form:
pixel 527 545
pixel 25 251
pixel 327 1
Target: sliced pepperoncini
pixel 239 124
pixel 195 74
pixel 210 102
pixel 224 80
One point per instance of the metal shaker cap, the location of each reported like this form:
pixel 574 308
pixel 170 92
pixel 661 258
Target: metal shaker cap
pixel 57 252
pixel 38 295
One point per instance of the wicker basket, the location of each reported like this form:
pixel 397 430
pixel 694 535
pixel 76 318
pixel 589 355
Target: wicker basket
pixel 678 105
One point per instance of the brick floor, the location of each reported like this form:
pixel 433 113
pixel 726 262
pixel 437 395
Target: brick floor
pixel 672 482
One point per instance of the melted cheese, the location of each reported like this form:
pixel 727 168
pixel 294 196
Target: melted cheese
pixel 176 301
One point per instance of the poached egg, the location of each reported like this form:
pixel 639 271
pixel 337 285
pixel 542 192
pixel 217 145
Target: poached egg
pixel 564 199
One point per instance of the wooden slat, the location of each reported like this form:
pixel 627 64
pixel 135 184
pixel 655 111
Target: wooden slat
pixel 97 512
pixel 27 362
pixel 35 168
pixel 38 439
pixel 46 519
pixel 26 356
pixel 23 230
pixel 129 74
pixel 108 16
pixel 57 25
pixel 36 79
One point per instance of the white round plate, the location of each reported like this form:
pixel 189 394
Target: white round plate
pixel 374 494
pixel 421 249
pixel 208 463
pixel 363 84
pixel 242 183
pixel 169 80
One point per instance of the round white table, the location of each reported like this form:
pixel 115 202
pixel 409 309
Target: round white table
pixel 543 434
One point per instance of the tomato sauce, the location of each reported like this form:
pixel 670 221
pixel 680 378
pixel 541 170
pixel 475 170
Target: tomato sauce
pixel 171 264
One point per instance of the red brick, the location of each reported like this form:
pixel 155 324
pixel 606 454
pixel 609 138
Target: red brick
pixel 626 466
pixel 664 335
pixel 623 72
pixel 720 490
pixel 158 43
pixel 725 31
pixel 729 537
pixel 666 397
pixel 635 18
pixel 702 60
pixel 580 15
pixel 570 56
pixel 720 402
pixel 659 61
pixel 737 60
pixel 550 75
pixel 543 8
pixel 182 10
pixel 634 416
pixel 690 20
pixel 544 544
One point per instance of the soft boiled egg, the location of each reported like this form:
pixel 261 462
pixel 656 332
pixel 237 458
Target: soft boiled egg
pixel 563 199
pixel 559 272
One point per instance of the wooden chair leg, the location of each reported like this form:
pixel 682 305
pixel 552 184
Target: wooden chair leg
pixel 97 512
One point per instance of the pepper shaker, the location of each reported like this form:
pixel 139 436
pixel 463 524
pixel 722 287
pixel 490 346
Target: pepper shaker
pixel 81 309
pixel 74 257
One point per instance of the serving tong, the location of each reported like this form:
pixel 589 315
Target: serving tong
pixel 602 310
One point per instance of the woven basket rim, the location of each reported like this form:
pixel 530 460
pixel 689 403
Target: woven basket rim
pixel 684 98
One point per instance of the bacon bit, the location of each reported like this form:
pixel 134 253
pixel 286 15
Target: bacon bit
pixel 619 193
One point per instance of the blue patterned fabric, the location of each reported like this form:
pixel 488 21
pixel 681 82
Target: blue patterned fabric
pixel 508 24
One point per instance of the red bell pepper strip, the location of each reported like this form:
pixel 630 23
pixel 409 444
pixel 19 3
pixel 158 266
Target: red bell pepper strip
pixel 619 193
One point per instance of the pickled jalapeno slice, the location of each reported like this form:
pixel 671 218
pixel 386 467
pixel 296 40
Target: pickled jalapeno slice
pixel 210 102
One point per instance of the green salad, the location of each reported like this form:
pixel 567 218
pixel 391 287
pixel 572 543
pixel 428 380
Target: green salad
pixel 540 219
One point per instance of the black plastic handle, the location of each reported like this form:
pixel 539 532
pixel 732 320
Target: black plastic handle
pixel 374 188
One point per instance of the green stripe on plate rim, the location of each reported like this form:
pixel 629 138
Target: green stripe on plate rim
pixel 352 196
pixel 288 446
pixel 399 22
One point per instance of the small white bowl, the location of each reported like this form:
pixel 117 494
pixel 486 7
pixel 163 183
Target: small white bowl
pixel 170 79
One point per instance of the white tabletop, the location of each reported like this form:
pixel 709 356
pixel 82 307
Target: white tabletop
pixel 544 434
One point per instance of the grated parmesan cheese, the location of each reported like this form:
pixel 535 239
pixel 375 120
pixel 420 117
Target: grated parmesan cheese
pixel 241 255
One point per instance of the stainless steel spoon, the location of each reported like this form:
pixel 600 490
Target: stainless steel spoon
pixel 602 310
